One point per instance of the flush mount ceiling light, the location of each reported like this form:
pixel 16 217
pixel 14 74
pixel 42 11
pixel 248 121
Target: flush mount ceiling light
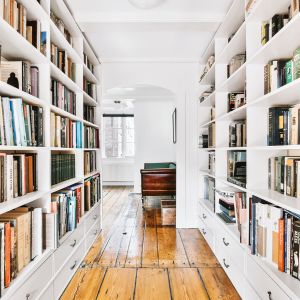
pixel 145 4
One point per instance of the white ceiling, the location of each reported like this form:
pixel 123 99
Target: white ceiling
pixel 178 30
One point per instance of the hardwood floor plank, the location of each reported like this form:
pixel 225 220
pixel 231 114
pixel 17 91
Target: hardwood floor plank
pixel 186 284
pixel 118 284
pixel 218 284
pixel 150 217
pixel 152 284
pixel 150 253
pixel 198 252
pixel 171 252
pixel 94 251
pixel 85 284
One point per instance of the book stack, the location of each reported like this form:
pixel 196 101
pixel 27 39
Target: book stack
pixel 21 75
pixel 283 125
pixel 62 97
pixel 68 206
pixel 88 63
pixel 92 191
pixel 208 65
pixel 238 134
pixel 61 26
pixel 62 167
pixel 275 236
pixel 65 133
pixel 90 163
pixel 15 14
pixel 18 175
pixel 227 208
pixel 278 73
pixel 235 63
pixel 91 137
pixel 89 113
pixel 21 124
pixel 212 135
pixel 89 88
pixel 21 240
pixel 236 100
pixel 203 141
pixel 284 175
pixel 209 190
pixel 60 58
pixel 236 168
pixel 211 162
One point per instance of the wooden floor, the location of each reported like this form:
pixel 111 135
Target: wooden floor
pixel 136 258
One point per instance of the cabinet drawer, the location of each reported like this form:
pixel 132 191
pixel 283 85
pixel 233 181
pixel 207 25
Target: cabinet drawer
pixel 64 276
pixel 207 233
pixel 48 293
pixel 208 219
pixel 92 234
pixel 92 218
pixel 66 248
pixel 34 285
pixel 265 287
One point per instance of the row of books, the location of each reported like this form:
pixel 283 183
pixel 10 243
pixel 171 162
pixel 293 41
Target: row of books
pixel 92 191
pixel 91 137
pixel 278 73
pixel 284 175
pixel 88 63
pixel 90 162
pixel 89 88
pixel 237 167
pixel 203 141
pixel 238 134
pixel 15 14
pixel 60 58
pixel 21 124
pixel 89 113
pixel 61 27
pixel 212 162
pixel 62 167
pixel 212 135
pixel 21 75
pixel 275 236
pixel 65 133
pixel 235 63
pixel 18 175
pixel 208 65
pixel 236 100
pixel 283 125
pixel 62 97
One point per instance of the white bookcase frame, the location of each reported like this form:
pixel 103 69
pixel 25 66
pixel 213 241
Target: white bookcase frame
pixel 47 276
pixel 252 276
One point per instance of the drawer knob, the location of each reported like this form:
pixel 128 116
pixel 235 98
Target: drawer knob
pixel 95 231
pixel 270 295
pixel 95 217
pixel 225 243
pixel 204 216
pixel 74 265
pixel 27 296
pixel 73 244
pixel 203 231
pixel 225 265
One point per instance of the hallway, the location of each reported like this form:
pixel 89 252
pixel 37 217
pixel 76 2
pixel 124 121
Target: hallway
pixel 135 257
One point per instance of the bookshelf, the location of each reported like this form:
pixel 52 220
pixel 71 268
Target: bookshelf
pixel 47 275
pixel 253 276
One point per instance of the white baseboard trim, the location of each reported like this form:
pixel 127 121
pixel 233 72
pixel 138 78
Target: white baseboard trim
pixel 118 183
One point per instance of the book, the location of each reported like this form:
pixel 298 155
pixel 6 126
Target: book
pixel 91 137
pixel 296 63
pixel 62 167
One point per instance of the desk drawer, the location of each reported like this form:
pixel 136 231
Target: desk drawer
pixel 207 233
pixel 92 218
pixel 92 234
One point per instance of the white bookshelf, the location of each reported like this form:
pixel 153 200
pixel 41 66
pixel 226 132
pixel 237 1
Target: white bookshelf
pixel 42 278
pixel 252 276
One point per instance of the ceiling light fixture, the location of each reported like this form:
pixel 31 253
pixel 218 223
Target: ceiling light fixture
pixel 146 4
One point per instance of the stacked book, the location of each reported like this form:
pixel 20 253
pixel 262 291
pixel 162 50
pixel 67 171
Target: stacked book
pixel 92 191
pixel 237 134
pixel 227 209
pixel 242 213
pixel 280 72
pixel 89 88
pixel 283 125
pixel 60 58
pixel 61 26
pixel 90 162
pixel 62 167
pixel 65 133
pixel 275 236
pixel 235 63
pixel 62 97
pixel 236 100
pixel 88 63
pixel 21 240
pixel 237 167
pixel 21 75
pixel 21 124
pixel 91 137
pixel 18 175
pixel 89 113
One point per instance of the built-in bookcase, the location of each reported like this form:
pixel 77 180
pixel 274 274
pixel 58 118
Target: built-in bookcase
pixel 253 276
pixel 47 275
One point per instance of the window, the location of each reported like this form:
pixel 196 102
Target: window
pixel 119 135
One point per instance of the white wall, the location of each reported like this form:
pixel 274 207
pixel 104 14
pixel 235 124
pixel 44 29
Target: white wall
pixel 153 134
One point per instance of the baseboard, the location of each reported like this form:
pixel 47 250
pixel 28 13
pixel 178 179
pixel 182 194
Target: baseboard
pixel 118 183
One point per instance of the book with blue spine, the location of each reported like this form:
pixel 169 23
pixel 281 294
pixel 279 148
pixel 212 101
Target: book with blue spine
pixel 15 123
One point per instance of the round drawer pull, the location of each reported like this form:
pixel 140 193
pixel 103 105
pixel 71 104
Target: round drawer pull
pixel 270 295
pixel 95 231
pixel 203 231
pixel 225 265
pixel 225 243
pixel 73 244
pixel 95 217
pixel 27 296
pixel 204 216
pixel 74 265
